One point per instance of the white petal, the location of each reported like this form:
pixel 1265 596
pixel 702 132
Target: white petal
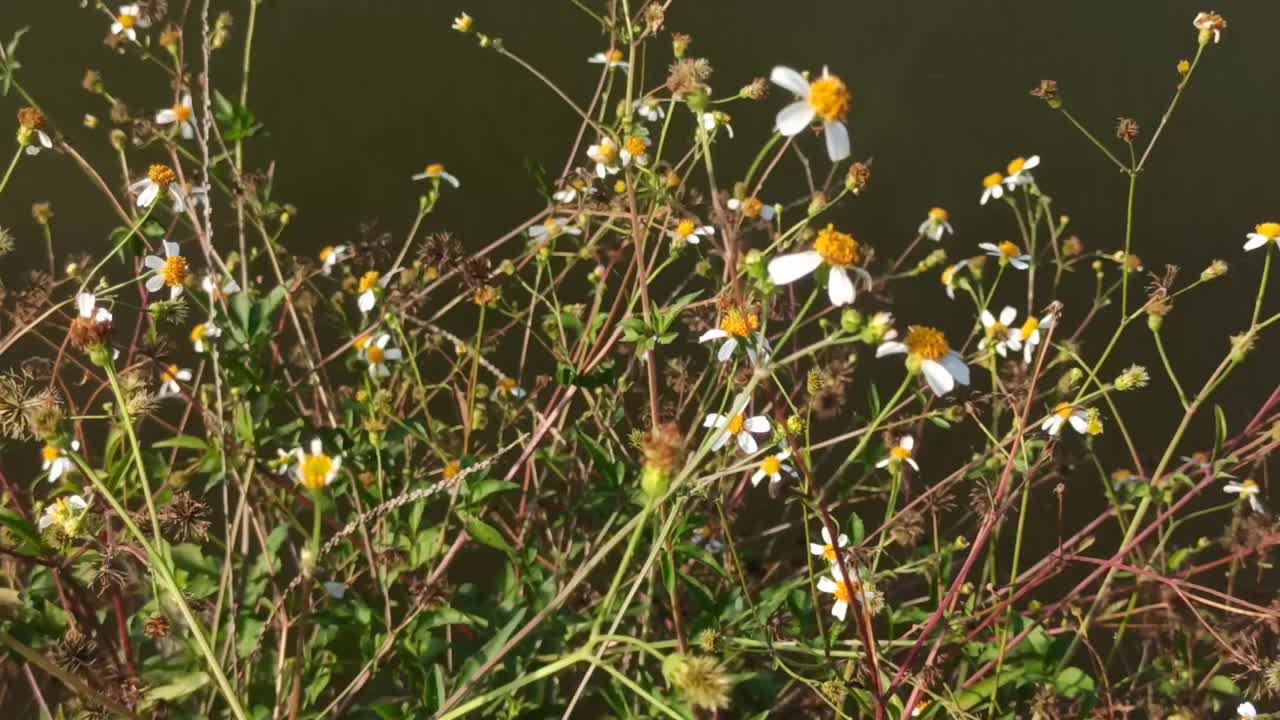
pixel 825 584
pixel 1007 315
pixel 747 443
pixel 794 118
pixel 839 609
pixel 154 283
pixel 893 347
pixel 789 79
pixel 726 350
pixel 957 367
pixel 987 319
pixel 85 303
pixel 165 117
pixel 317 447
pixel 1053 425
pixel 393 354
pixel 148 195
pixel 77 503
pixel 837 140
pixel 714 420
pixel 991 248
pixel 1032 162
pixel 907 442
pixel 913 464
pixel 883 463
pixel 939 380
pixel 712 334
pixel 789 268
pixel 757 424
pixel 1246 709
pixel 826 536
pixel 1080 424
pixel 1255 241
pixel 839 287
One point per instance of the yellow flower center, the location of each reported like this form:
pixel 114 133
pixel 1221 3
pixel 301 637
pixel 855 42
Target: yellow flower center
pixel 751 207
pixel 376 355
pixel 998 330
pixel 829 98
pixel 829 554
pixel 739 324
pixel 1095 427
pixel 1268 230
pixel 736 423
pixel 198 332
pixel 315 471
pixel 369 281
pixel 326 253
pixel 506 385
pixel 1009 250
pixel 837 248
pixel 1063 410
pixel 435 170
pixel 606 152
pixel 899 453
pixel 992 180
pixel 175 271
pixel 613 56
pixel 162 175
pixel 50 453
pixel 938 215
pixel 926 343
pixel 127 21
pixel 685 228
pixel 362 342
pixel 620 186
pixel 1016 165
pixel 637 146
pixel 1030 326
pixel 170 374
pixel 771 465
pixel 451 469
pixel 182 112
pixel 552 226
pixel 947 274
pixel 1249 486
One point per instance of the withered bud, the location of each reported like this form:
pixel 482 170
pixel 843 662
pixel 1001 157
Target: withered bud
pixel 170 37
pixel 120 113
pixel 119 140
pixel 858 178
pixel 1216 269
pixel 1072 246
pixel 679 44
pixel 1126 129
pixel 30 119
pixel 42 212
pixel 757 90
pixel 221 31
pixel 92 82
pixel 1047 91
pixel 1210 24
pixel 655 16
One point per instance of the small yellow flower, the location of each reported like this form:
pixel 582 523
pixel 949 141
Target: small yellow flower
pixel 315 470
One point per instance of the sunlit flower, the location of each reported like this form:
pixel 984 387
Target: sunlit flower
pixel 181 115
pixel 1065 412
pixel 901 453
pixel 1018 172
pixel 838 250
pixel 928 352
pixel 829 550
pixel 570 192
pixel 509 386
pixel 462 23
pixel 1007 252
pixel 611 58
pixel 378 355
pixel 87 307
pixel 649 109
pixel 436 171
pixel 751 208
pixel 739 427
pixel 169 379
pixel 159 179
pixel 90 121
pixel 553 228
pixel 735 327
pixel 705 538
pixel 64 513
pixel 55 460
pixel 1210 23
pixel 1262 234
pixel 635 150
pixel 331 255
pixel 992 188
pixel 712 120
pixel 949 277
pixel 170 271
pixel 836 586
pixel 826 99
pixel 315 470
pixel 605 155
pixel 936 225
pixel 691 232
pixel 128 19
pixel 282 463
pixel 773 467
pixel 1029 334
pixel 209 283
pixel 370 288
pixel 1246 490
pixel 203 333
pixel 996 331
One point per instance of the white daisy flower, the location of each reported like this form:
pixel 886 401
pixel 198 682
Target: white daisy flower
pixel 635 150
pixel 172 270
pixel 204 333
pixel 605 155
pixel 705 538
pixel 1018 171
pixel 169 378
pixel 739 427
pixel 436 171
pixel 570 192
pixel 1029 335
pixel 209 283
pixel 996 332
pixel 331 255
pixel 751 208
pixel 691 232
pixel 949 277
pixel 55 460
pixel 509 386
pixel 836 586
pixel 182 115
pixel 282 463
pixel 992 188
pixel 1246 490
pixel 1065 412
pixel 712 120
pixel 159 180
pixel 87 305
pixel 315 470
pixel 553 228
pixel 936 225
pixel 64 514
pixel 1245 710
pixel 1007 252
pixel 773 467
pixel 830 549
pixel 128 19
pixel 927 351
pixel 372 284
pixel 462 23
pixel 736 327
pixel 1262 234
pixel 901 453
pixel 826 99
pixel 649 109
pixel 378 355
pixel 611 58
pixel 838 250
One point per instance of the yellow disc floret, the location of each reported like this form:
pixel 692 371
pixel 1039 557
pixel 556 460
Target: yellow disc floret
pixel 369 281
pixel 1064 410
pixel 637 146
pixel 685 228
pixel 926 343
pixel 50 453
pixel 198 333
pixel 829 98
pixel 992 180
pixel 1268 230
pixel 162 175
pixel 1029 327
pixel 899 453
pixel 739 324
pixel 376 355
pixel 1016 165
pixel 1009 250
pixel 435 170
pixel 771 465
pixel 837 248
pixel 451 470
pixel 736 423
pixel 613 56
pixel 316 470
pixel 182 113
pixel 938 215
pixel 170 374
pixel 127 21
pixel 175 271
pixel 751 207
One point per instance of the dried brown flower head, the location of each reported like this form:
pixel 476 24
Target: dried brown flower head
pixel 1210 24
pixel 688 77
pixel 30 118
pixel 1126 129
pixel 186 518
pixel 1047 91
pixel 859 178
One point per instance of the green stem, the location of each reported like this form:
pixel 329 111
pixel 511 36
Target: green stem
pixel 17 155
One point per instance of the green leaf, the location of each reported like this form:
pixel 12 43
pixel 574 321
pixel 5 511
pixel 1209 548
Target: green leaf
pixel 483 532
pixel 189 442
pixel 480 491
pixel 179 687
pixel 21 527
pixel 1224 685
pixel 857 531
pixel 1220 426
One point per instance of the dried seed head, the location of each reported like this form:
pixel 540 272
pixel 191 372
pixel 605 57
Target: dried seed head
pixel 92 82
pixel 858 178
pixel 1126 129
pixel 1047 91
